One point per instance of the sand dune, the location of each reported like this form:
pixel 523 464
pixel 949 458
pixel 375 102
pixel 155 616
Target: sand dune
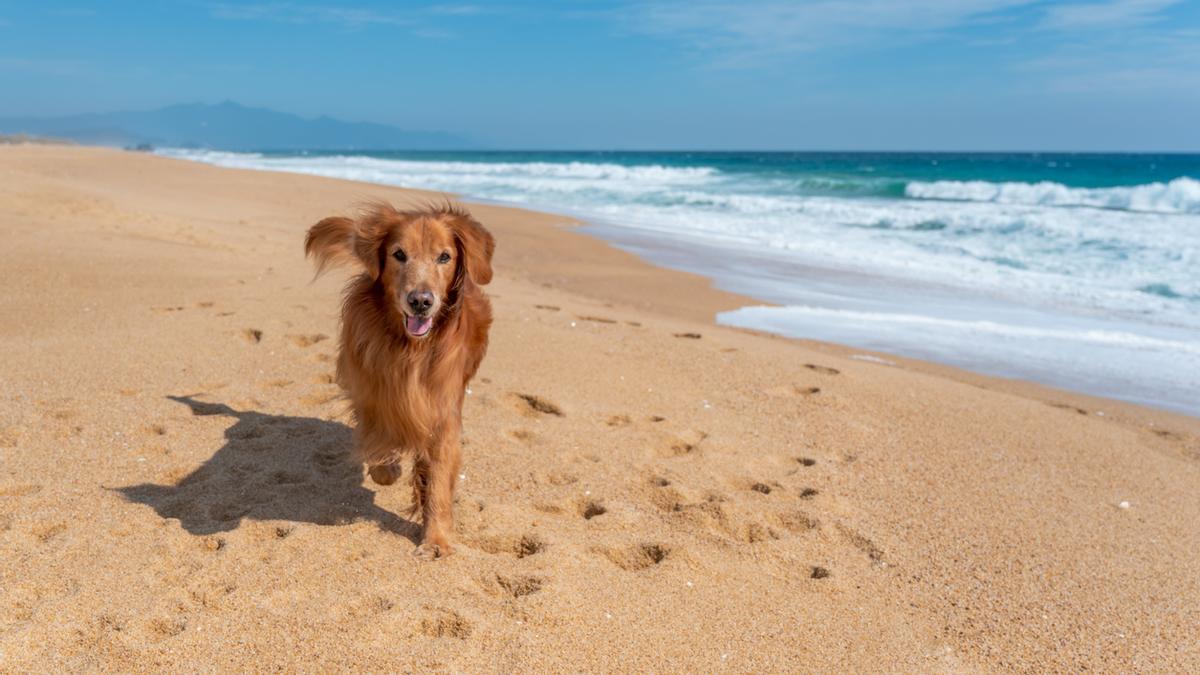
pixel 642 490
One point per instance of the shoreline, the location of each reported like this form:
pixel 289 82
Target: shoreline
pixel 174 484
pixel 1116 355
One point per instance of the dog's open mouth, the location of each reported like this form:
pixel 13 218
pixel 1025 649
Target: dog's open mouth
pixel 418 326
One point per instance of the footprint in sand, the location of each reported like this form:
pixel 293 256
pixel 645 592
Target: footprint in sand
pixel 619 421
pixel 818 572
pixel 252 335
pixel 636 557
pixel 861 542
pixel 520 585
pixel 560 478
pixel 689 336
pixel 665 497
pixel 590 508
pixel 521 547
pixel 806 461
pixel 596 319
pixel 824 370
pixel 755 533
pixel 686 444
pixel 154 430
pixel 534 405
pixel 796 521
pixel 523 435
pixel 445 623
pixel 307 340
pixel 47 531
pixel 167 627
pixel 548 308
pixel 548 507
pixel 211 594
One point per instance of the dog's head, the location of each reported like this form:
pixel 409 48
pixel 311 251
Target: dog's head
pixel 419 259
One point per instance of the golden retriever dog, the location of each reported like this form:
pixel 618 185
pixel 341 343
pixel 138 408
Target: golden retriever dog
pixel 414 330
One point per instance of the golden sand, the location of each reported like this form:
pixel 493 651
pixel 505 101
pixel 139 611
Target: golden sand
pixel 642 490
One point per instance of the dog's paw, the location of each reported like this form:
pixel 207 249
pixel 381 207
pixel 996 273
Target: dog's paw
pixel 385 474
pixel 433 550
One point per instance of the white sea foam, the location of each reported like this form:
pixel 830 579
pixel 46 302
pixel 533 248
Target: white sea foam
pixel 450 173
pixel 1181 195
pixel 1090 336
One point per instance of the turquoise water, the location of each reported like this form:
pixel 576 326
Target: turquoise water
pixel 1075 270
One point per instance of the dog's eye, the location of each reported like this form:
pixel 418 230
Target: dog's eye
pixel 399 256
pixel 443 258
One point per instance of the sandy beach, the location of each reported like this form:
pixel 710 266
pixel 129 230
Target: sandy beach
pixel 642 490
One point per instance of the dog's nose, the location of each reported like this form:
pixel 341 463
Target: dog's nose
pixel 420 301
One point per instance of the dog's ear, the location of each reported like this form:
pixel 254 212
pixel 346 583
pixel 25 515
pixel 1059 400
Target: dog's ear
pixel 476 246
pixel 341 241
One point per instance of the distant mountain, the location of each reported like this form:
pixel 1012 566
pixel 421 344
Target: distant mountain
pixel 230 126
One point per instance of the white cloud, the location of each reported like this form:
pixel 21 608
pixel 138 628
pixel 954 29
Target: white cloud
pixel 1144 62
pixel 1111 14
pixel 778 27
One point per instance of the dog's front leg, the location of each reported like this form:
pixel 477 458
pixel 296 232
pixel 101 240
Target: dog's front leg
pixel 439 473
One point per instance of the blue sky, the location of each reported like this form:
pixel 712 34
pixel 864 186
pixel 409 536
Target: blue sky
pixel 830 74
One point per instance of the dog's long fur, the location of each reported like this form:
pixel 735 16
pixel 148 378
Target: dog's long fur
pixel 407 392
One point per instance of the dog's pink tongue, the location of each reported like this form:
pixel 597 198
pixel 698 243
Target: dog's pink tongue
pixel 419 325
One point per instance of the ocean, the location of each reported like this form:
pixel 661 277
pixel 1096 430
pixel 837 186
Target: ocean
pixel 1080 271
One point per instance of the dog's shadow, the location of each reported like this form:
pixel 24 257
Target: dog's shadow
pixel 272 467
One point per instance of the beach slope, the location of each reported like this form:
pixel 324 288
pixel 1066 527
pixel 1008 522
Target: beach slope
pixel 642 490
